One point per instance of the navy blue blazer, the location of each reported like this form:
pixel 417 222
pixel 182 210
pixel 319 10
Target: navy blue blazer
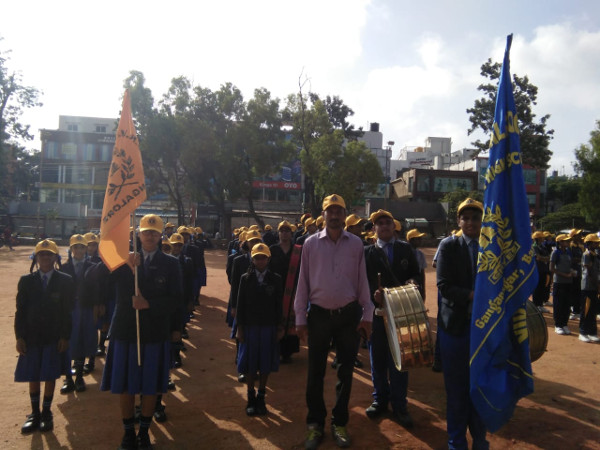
pixel 455 282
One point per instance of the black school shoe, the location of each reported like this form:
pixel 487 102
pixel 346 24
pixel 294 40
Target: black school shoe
pixel 101 350
pixel 129 442
pixel 88 368
pixel 143 442
pixel 31 424
pixel 159 414
pixel 79 384
pixel 68 386
pixel 171 385
pixel 46 421
pixel 260 407
pixel 251 407
pixel 375 410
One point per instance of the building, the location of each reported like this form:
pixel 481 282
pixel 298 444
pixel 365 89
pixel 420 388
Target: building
pixel 429 185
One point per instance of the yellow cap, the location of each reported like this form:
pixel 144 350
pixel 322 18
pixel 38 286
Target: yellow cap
pixel 268 227
pixel 169 225
pixel 546 234
pixel 165 241
pixel 294 228
pixel 183 229
pixel 90 237
pixel 352 220
pixel 397 225
pixel 46 245
pixel 253 227
pixel 261 249
pixel 319 221
pixel 176 238
pixel 151 222
pixel 574 232
pixel 380 213
pixel 253 235
pixel 308 222
pixel 305 216
pixel 333 200
pixel 414 234
pixel 77 239
pixel 199 230
pixel 538 235
pixel 242 236
pixel 563 237
pixel 284 224
pixel 592 237
pixel 469 203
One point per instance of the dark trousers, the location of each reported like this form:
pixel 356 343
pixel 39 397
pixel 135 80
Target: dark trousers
pixel 587 321
pixel 576 293
pixel 390 385
pixel 460 412
pixel 562 303
pixel 539 293
pixel 323 325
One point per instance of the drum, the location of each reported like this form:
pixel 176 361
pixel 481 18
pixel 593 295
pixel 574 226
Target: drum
pixel 537 330
pixel 407 327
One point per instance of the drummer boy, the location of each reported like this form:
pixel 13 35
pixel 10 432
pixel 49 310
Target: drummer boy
pixel 390 262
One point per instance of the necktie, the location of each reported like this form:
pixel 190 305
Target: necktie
pixel 474 250
pixel 389 247
pixel 147 263
pixel 78 269
pixel 45 282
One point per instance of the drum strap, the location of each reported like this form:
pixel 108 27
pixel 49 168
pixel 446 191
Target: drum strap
pixel 290 291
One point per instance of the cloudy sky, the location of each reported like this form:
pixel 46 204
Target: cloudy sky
pixel 411 66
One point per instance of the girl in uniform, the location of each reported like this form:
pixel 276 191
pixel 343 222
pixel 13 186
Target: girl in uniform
pixel 42 329
pixel 259 320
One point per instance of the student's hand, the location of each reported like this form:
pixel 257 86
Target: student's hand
pixel 302 332
pixel 63 345
pixel 21 346
pixel 133 260
pixel 139 302
pixel 378 297
pixel 364 329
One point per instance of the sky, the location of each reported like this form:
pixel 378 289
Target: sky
pixel 413 67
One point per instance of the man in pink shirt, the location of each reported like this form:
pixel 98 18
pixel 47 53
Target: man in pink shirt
pixel 332 295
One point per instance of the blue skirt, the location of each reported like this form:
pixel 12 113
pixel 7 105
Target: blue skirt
pixel 106 319
pixel 40 363
pixel 84 333
pixel 122 375
pixel 199 279
pixel 260 350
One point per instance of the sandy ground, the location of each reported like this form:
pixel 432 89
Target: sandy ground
pixel 207 410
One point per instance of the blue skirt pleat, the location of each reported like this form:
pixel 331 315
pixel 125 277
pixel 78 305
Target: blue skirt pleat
pixel 260 350
pixel 40 363
pixel 122 375
pixel 84 333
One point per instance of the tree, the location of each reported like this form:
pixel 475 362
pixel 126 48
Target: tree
pixel 455 198
pixel 14 99
pixel 567 216
pixel 561 191
pixel 588 164
pixel 535 139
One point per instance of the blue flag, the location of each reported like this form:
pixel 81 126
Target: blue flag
pixel 500 365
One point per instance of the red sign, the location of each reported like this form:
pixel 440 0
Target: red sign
pixel 289 185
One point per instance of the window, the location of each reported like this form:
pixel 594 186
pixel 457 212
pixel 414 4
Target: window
pixel 97 200
pixel 447 184
pixel 423 184
pixel 100 128
pixel 52 150
pixel 101 176
pixel 49 174
pixel 410 184
pixel 530 176
pixel 531 199
pixel 106 152
pixel 69 150
pixel 88 152
pixel 72 127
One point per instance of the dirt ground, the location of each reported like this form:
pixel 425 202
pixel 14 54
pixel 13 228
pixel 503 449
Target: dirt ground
pixel 207 409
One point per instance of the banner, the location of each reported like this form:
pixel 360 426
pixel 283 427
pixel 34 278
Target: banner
pixel 500 366
pixel 125 191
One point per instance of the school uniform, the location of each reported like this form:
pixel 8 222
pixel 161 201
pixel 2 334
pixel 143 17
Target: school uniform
pixel 562 287
pixel 160 284
pixel 456 271
pixel 396 262
pixel 239 267
pixel 42 318
pixel 589 294
pixel 84 337
pixel 259 313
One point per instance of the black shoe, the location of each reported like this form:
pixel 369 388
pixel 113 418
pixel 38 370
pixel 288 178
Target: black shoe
pixel 46 421
pixel 143 442
pixel 171 385
pixel 31 424
pixel 241 378
pixel 79 384
pixel 160 415
pixel 185 334
pixel 314 436
pixel 251 407
pixel 404 419
pixel 334 363
pixel 358 364
pixel 88 368
pixel 183 348
pixel 129 442
pixel 68 386
pixel 101 350
pixel 178 363
pixel 340 436
pixel 261 408
pixel 437 366
pixel 375 410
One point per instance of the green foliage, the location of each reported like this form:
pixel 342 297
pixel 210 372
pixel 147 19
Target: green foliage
pixel 534 138
pixel 567 216
pixel 456 197
pixel 14 99
pixel 588 164
pixel 563 190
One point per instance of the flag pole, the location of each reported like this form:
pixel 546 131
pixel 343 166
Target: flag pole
pixel 137 292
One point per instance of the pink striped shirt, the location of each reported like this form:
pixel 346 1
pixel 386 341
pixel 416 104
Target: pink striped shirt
pixel 332 274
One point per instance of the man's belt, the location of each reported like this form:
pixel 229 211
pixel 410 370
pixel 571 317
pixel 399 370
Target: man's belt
pixel 336 311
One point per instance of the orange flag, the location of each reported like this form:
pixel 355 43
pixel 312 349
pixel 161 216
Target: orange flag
pixel 125 191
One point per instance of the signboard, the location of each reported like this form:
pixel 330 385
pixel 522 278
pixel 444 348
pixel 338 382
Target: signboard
pixel 287 185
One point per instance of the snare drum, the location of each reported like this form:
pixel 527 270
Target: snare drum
pixel 407 327
pixel 537 330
